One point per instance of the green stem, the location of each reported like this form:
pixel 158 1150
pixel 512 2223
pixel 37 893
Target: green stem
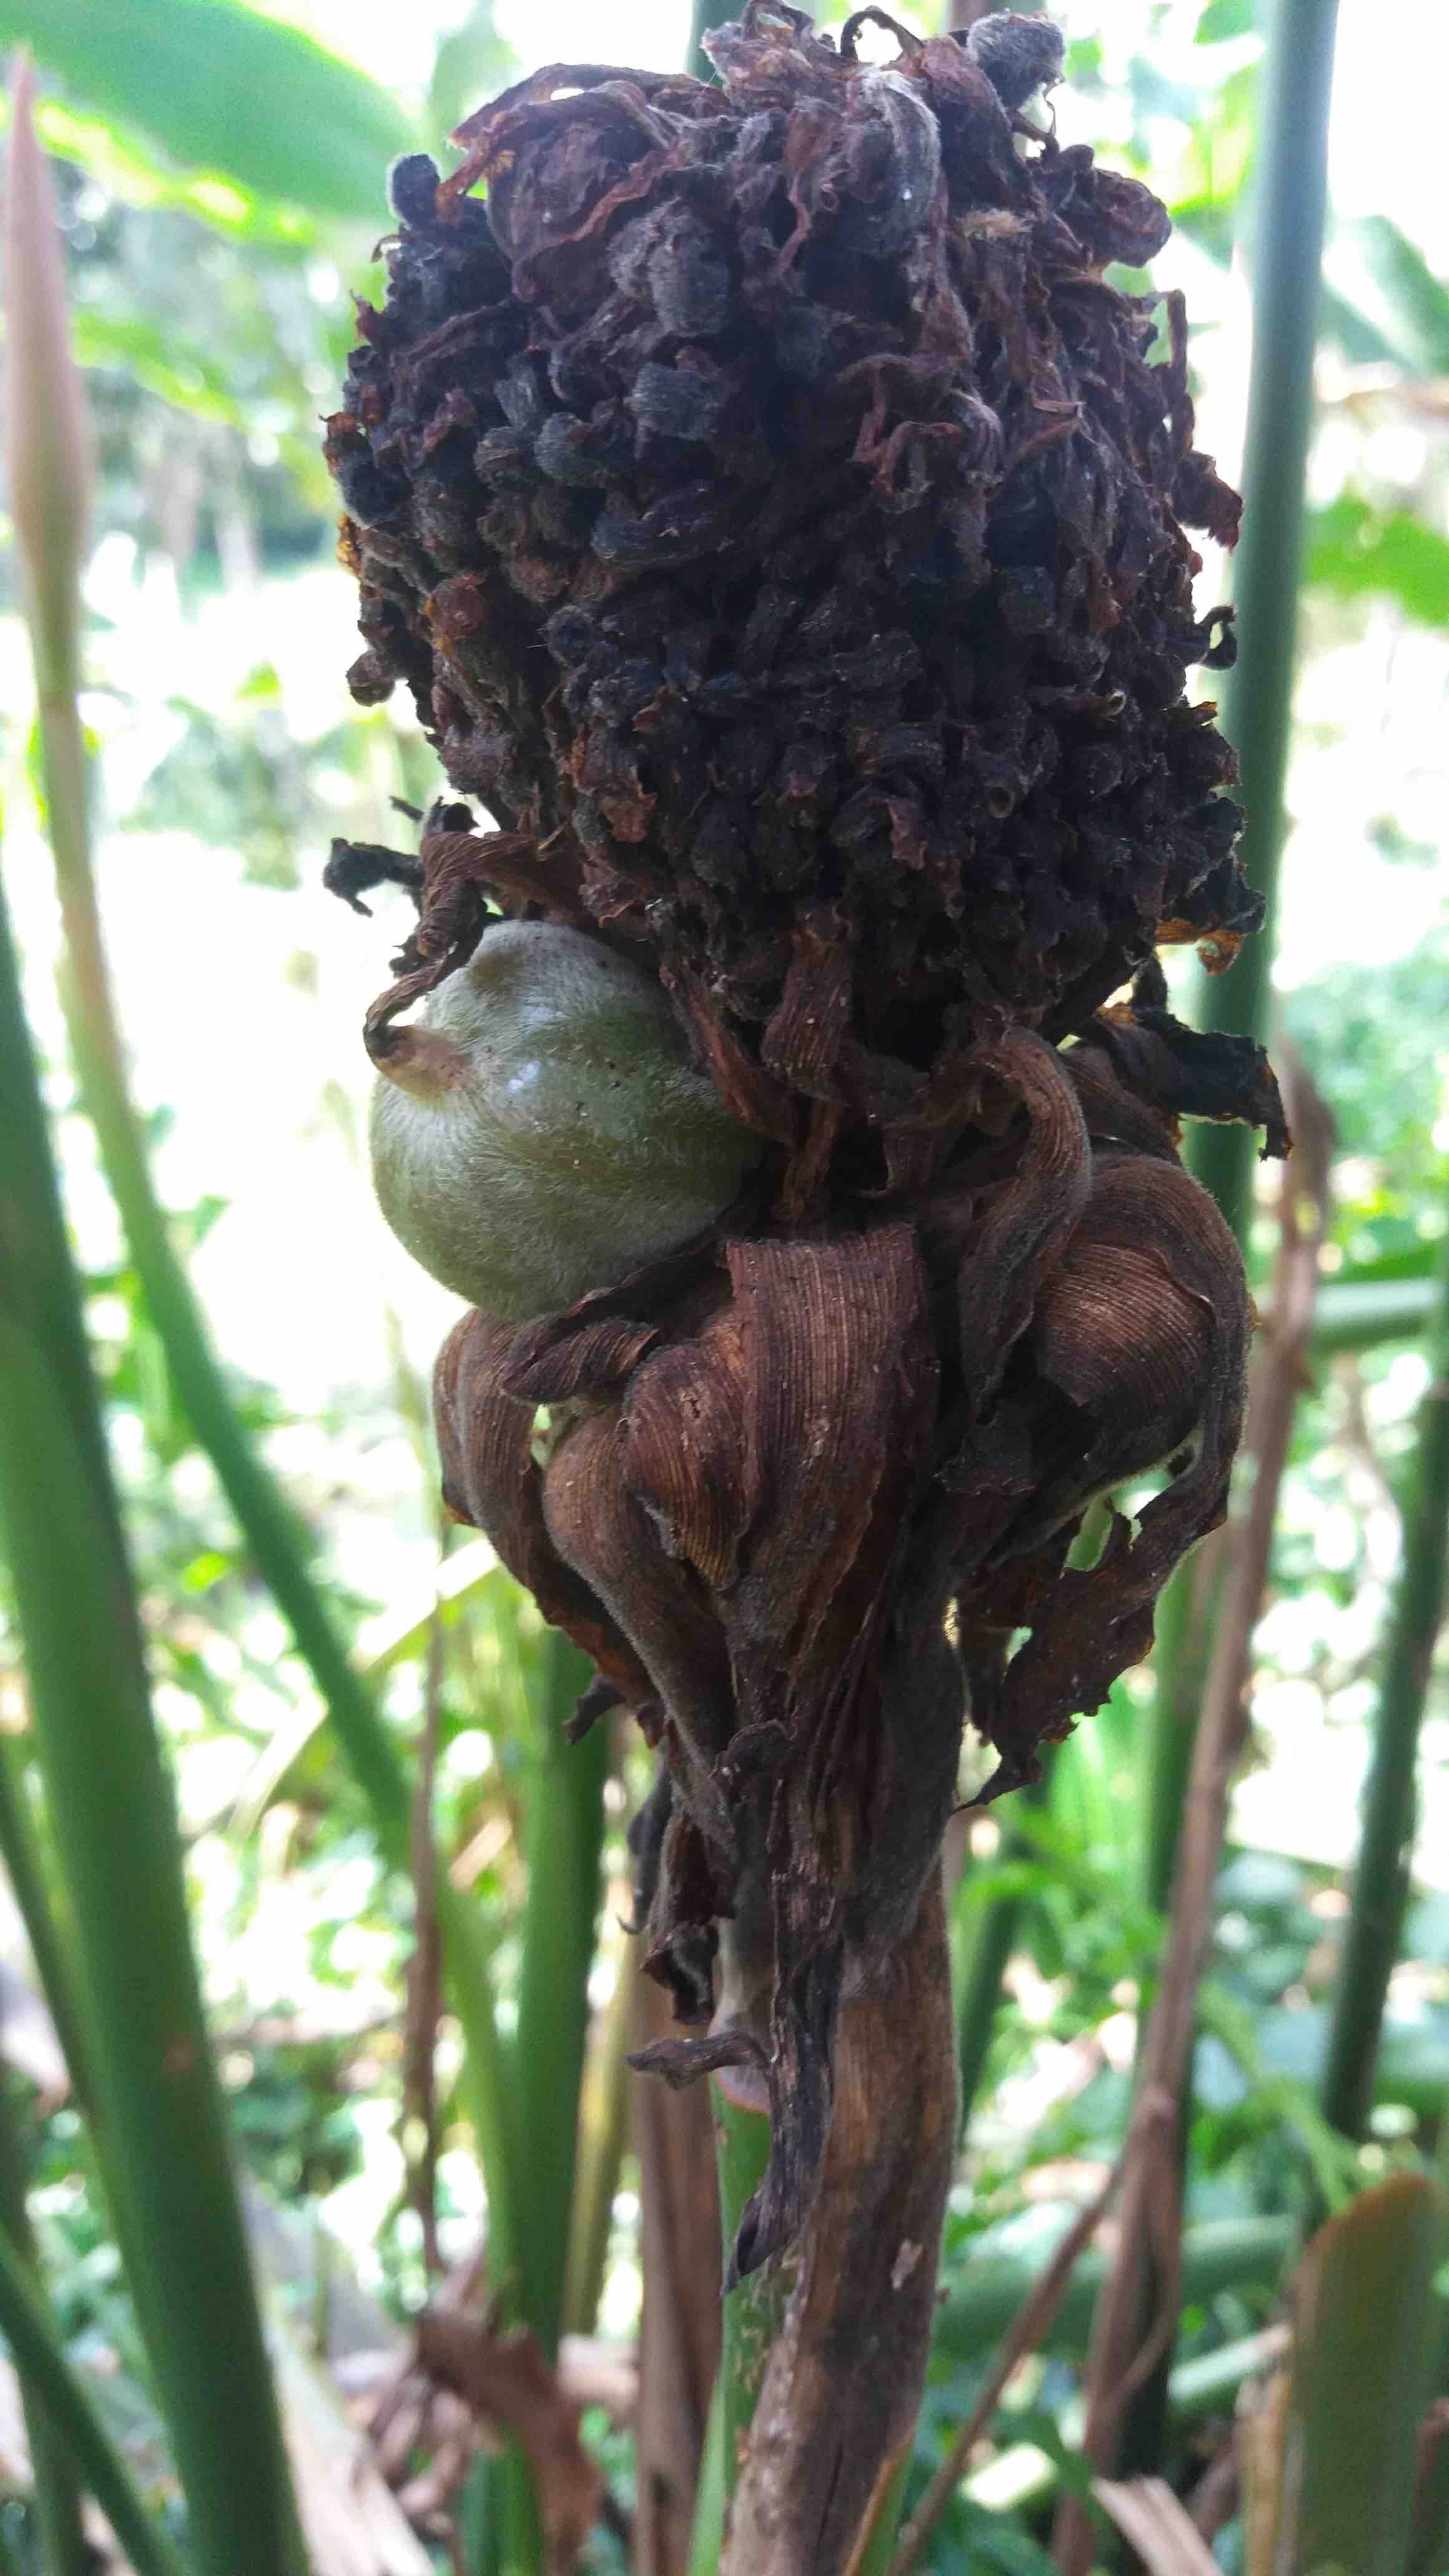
pixel 1381 1877
pixel 706 2540
pixel 49 1948
pixel 520 2547
pixel 754 2312
pixel 534 2089
pixel 169 2176
pixel 32 2338
pixel 987 1933
pixel 1183 1651
pixel 485 2074
pixel 704 15
pixel 603 2137
pixel 1360 1315
pixel 266 1521
pixel 565 1832
pixel 1257 703
pixel 1221 2254
pixel 57 2496
pixel 1352 1317
pixel 1257 698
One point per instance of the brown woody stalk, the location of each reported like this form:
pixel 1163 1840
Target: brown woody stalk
pixel 838 2405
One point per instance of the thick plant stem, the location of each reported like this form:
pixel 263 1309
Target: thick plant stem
pixel 1287 249
pixel 988 1934
pixel 754 2311
pixel 704 15
pixel 1354 1316
pixel 826 2445
pixel 1221 2254
pixel 57 2495
pixel 48 1944
pixel 1380 1884
pixel 564 1841
pixel 1257 696
pixel 603 2137
pixel 1186 1618
pixel 168 2175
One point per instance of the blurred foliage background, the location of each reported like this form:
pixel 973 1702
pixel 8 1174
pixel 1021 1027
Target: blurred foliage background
pixel 217 208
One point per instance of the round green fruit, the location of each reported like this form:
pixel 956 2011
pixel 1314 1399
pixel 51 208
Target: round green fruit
pixel 541 1130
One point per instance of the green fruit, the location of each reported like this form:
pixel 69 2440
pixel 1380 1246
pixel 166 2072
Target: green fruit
pixel 541 1130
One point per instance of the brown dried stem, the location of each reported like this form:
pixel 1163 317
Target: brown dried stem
pixel 829 2431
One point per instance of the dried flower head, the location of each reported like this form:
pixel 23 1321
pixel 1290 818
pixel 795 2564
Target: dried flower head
pixel 778 518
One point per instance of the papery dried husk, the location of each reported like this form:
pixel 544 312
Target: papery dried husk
pixel 820 1485
pixel 778 520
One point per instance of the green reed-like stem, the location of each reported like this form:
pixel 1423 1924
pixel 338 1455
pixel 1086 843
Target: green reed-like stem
pixel 1291 193
pixel 754 2311
pixel 47 449
pixel 988 1932
pixel 1257 703
pixel 564 1841
pixel 31 2335
pixel 57 2495
pixel 1381 1878
pixel 168 2170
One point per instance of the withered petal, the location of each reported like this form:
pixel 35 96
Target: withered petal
pixel 492 1479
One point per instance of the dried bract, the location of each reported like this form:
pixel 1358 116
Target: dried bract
pixel 778 519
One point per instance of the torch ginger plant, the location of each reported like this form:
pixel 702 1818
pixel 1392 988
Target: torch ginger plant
pixel 778 520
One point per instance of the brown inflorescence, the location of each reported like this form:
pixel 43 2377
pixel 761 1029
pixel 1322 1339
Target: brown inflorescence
pixel 777 516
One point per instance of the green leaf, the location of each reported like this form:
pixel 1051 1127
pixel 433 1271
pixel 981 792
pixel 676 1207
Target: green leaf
pixel 1329 2461
pixel 139 175
pixel 470 65
pixel 1222 20
pixel 224 90
pixel 1413 302
pixel 1355 550
pixel 182 375
pixel 1357 1317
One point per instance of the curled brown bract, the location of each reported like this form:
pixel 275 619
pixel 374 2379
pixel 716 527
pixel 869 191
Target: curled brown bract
pixel 813 1493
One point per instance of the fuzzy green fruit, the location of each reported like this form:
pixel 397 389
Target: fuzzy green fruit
pixel 541 1131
